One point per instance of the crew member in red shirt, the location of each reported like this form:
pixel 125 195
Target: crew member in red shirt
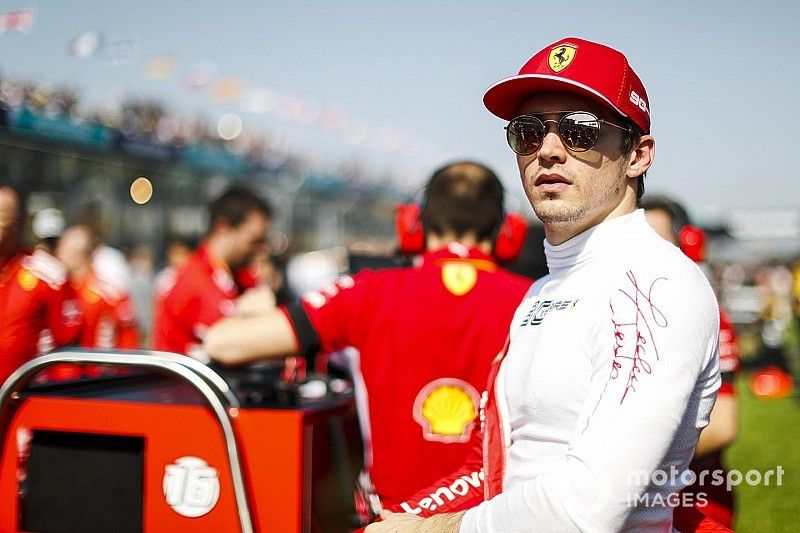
pixel 425 336
pixel 671 221
pixel 109 316
pixel 34 294
pixel 205 289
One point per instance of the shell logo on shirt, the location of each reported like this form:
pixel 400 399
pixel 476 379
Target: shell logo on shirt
pixel 459 277
pixel 27 280
pixel 446 409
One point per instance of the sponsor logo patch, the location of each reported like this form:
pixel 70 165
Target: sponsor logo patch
pixel 639 102
pixel 27 280
pixel 541 308
pixel 561 57
pixel 90 296
pixel 446 409
pixel 459 277
pixel 71 314
pixel 446 494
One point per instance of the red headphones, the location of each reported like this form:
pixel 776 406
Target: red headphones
pixel 692 242
pixel 411 235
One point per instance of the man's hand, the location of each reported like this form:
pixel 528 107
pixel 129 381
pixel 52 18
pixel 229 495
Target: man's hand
pixel 395 523
pixel 255 302
pixel 409 523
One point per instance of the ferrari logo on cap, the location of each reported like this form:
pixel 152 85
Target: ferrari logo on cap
pixel 561 56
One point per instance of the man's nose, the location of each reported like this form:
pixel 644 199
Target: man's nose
pixel 552 149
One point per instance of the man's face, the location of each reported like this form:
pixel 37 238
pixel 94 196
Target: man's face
pixel 247 239
pixel 570 191
pixel 74 249
pixel 660 221
pixel 10 223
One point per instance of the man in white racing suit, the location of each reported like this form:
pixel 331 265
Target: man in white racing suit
pixel 612 365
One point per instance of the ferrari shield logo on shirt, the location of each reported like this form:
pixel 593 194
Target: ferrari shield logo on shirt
pixel 446 409
pixel 561 57
pixel 90 296
pixel 27 280
pixel 459 277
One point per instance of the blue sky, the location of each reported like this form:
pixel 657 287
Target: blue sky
pixel 722 77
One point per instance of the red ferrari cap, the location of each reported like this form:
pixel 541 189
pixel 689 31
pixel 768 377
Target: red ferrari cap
pixel 577 66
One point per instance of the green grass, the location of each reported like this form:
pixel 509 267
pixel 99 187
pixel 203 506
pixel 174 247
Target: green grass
pixel 769 436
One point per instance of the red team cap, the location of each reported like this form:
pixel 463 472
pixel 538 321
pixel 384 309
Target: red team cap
pixel 577 66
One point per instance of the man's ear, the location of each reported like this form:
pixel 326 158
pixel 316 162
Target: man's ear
pixel 641 157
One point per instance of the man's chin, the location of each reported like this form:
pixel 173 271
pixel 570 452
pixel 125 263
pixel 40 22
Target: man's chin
pixel 555 212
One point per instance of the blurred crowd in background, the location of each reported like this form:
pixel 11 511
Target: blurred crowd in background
pixel 310 248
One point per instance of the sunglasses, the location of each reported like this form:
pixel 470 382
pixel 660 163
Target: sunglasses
pixel 578 130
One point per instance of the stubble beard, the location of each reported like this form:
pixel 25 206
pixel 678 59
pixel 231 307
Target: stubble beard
pixel 553 210
pixel 561 213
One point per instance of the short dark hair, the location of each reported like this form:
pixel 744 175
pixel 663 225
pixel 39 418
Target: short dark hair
pixel 676 212
pixel 461 198
pixel 234 205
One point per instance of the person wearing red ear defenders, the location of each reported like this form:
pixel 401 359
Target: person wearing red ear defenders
pixel 425 335
pixel 671 221
pixel 507 239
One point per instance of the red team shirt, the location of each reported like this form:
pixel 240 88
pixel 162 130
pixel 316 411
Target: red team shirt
pixel 203 292
pixel 425 337
pixel 34 296
pixel 720 504
pixel 109 318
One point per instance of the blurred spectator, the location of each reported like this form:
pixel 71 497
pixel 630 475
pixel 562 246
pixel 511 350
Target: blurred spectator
pixel 178 254
pixel 48 225
pixel 205 289
pixel 108 263
pixel 774 285
pixel 140 263
pixel 671 221
pixel 137 120
pixel 109 316
pixel 34 293
pixel 263 270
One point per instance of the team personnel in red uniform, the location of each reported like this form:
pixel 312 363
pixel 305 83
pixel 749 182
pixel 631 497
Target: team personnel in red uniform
pixel 34 294
pixel 205 289
pixel 109 317
pixel 424 335
pixel 672 222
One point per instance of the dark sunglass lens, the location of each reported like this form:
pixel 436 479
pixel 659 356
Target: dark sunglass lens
pixel 579 131
pixel 525 135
